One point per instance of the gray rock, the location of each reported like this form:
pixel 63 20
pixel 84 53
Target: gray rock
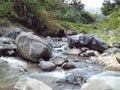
pixel 7 45
pixel 13 34
pixel 30 84
pixel 116 44
pixel 84 40
pixel 32 47
pixel 58 61
pixel 108 80
pixel 68 65
pixel 98 44
pixel 80 40
pixel 83 49
pixel 89 53
pixel 47 66
pixel 73 51
pixel 112 50
pixel 118 59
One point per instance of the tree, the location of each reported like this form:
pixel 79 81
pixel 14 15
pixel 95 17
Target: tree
pixel 117 2
pixel 109 6
pixel 77 5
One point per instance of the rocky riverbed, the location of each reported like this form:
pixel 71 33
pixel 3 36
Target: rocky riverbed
pixel 66 63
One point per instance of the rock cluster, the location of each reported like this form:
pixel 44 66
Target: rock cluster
pixel 108 80
pixel 91 42
pixel 53 54
pixel 7 47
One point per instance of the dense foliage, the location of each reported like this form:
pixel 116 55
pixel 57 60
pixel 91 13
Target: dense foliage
pixel 30 13
pixel 48 17
pixel 43 15
pixel 109 6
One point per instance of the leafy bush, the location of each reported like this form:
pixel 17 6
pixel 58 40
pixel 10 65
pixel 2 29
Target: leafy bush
pixel 42 15
pixel 113 20
pixel 109 6
pixel 78 27
pixel 30 13
pixel 6 10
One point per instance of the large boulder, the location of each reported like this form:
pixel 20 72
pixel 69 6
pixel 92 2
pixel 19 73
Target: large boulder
pixel 84 40
pixel 108 80
pixel 30 84
pixel 32 47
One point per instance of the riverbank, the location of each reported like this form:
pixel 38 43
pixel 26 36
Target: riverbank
pixel 72 66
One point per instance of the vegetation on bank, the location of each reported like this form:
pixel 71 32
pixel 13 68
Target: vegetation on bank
pixel 48 17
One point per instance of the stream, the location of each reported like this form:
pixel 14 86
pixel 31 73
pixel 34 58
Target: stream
pixel 12 68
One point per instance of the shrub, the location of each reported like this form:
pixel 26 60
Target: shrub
pixel 30 13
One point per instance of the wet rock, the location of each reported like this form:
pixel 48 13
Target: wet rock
pixel 30 84
pixel 84 49
pixel 47 66
pixel 58 61
pixel 11 53
pixel 3 62
pixel 60 49
pixel 118 59
pixel 71 32
pixel 89 53
pixel 13 34
pixel 32 47
pixel 112 50
pixel 7 45
pixel 80 40
pixel 73 51
pixel 109 62
pixel 98 44
pixel 108 80
pixel 71 78
pixel 68 65
pixel 84 40
pixel 116 44
pixel 76 76
pixel 60 80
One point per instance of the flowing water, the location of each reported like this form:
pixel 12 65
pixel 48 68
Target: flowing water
pixel 12 68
